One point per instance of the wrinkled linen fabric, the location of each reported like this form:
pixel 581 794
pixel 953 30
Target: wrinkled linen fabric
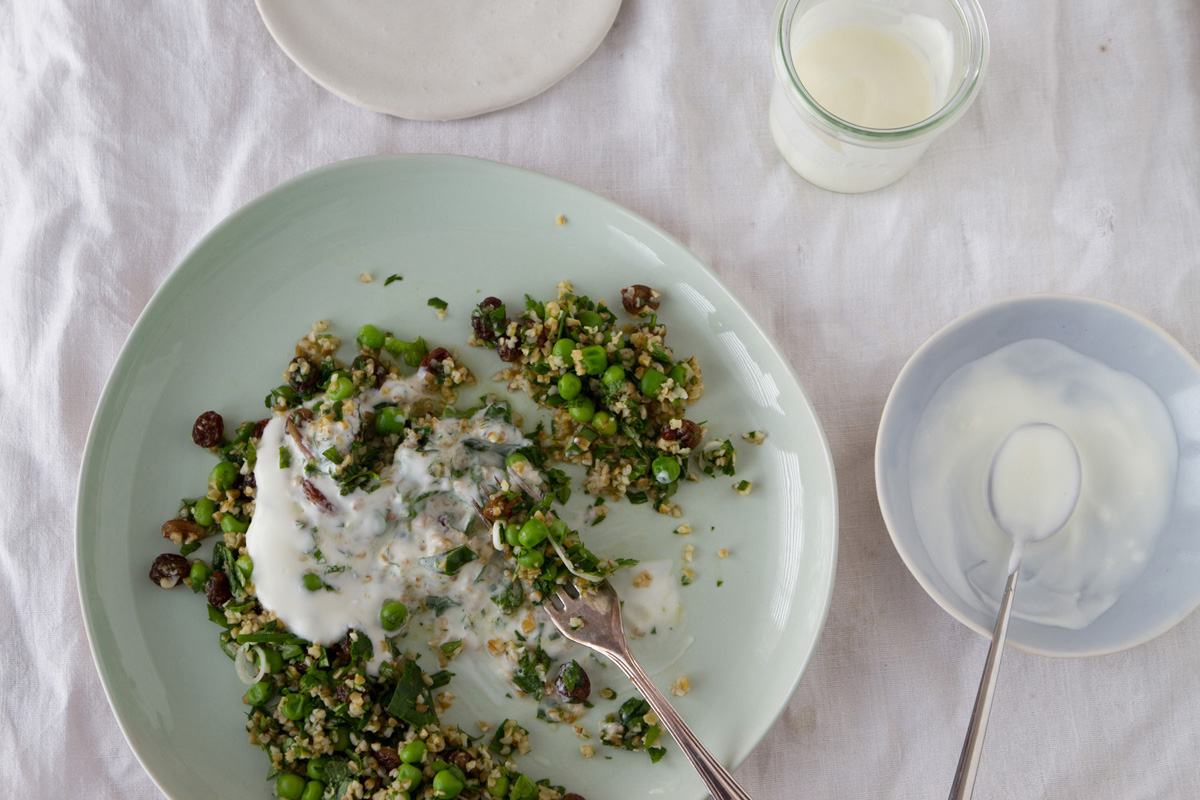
pixel 129 129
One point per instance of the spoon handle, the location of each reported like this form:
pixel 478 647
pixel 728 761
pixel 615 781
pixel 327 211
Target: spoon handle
pixel 968 763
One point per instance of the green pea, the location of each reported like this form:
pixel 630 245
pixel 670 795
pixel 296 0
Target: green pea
pixel 613 376
pixel 289 786
pixel 652 379
pixel 313 582
pixel 665 469
pixel 244 566
pixel 569 386
pixel 199 573
pixel 341 386
pixel 440 765
pixel 292 706
pixel 231 524
pixel 202 512
pixel 274 661
pixel 678 374
pixel 559 529
pixel 531 558
pixel 341 738
pixel 512 535
pixel 389 420
pixel 260 693
pixel 595 359
pixel 514 459
pixel 413 752
pixel 563 348
pixel 371 337
pixel 411 774
pixel 315 769
pixel 604 423
pixel 498 787
pixel 533 533
pixel 223 475
pixel 582 409
pixel 590 319
pixel 313 790
pixel 447 784
pixel 393 615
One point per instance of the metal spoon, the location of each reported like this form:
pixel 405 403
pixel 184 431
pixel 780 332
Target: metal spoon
pixel 1040 462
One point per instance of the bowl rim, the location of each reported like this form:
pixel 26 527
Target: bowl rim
pixel 885 423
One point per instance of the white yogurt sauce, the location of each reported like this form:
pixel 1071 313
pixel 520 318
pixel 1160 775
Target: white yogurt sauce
pixel 367 547
pixel 1034 485
pixel 1128 455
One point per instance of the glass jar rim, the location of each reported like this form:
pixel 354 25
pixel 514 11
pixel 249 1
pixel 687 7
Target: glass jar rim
pixel 971 16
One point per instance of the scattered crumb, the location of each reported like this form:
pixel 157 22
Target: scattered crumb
pixel 723 553
pixel 755 437
pixel 689 575
pixel 560 220
pixel 642 580
pixel 743 487
pixel 483 726
pixel 365 277
pixel 681 686
pixel 576 623
pixel 683 530
pixel 689 550
pixel 586 749
pixel 607 694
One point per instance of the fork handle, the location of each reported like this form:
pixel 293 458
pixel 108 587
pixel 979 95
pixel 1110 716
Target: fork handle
pixel 720 783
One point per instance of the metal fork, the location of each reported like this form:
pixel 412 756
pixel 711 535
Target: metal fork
pixel 594 620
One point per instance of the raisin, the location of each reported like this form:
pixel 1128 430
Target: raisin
pixel 572 684
pixel 538 340
pixel 688 434
pixel 572 796
pixel 431 365
pixel 168 570
pixel 639 300
pixel 317 497
pixel 217 589
pixel 373 367
pixel 182 531
pixel 481 321
pixel 498 506
pixel 302 375
pixel 508 354
pixel 259 427
pixel 388 758
pixel 208 429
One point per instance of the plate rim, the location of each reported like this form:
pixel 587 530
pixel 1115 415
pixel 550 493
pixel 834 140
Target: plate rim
pixel 124 359
pixel 348 93
pixel 885 508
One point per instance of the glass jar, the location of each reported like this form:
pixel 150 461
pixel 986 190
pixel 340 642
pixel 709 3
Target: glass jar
pixel 948 39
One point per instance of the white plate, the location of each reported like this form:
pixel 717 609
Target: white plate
pixel 217 335
pixel 438 59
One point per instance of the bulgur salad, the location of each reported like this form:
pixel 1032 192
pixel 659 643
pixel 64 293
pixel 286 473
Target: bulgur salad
pixel 371 517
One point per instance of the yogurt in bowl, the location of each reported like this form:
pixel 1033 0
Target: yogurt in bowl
pixel 1127 565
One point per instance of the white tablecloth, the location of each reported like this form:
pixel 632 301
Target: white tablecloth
pixel 128 129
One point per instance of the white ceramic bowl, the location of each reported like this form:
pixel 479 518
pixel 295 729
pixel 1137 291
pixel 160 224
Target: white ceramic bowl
pixel 1169 588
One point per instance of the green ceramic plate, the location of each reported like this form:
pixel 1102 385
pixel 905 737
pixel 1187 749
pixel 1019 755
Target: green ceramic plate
pixel 217 334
